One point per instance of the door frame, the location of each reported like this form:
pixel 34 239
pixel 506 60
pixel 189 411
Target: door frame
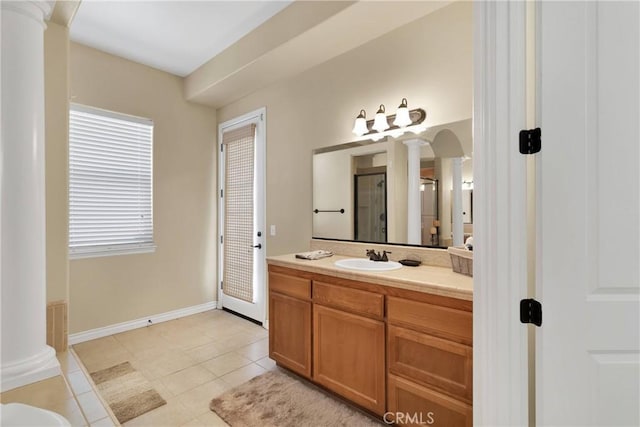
pixel 259 117
pixel 500 349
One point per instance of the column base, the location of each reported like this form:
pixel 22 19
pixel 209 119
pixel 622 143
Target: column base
pixel 26 371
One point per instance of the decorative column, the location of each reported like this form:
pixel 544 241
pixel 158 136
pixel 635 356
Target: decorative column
pixel 25 356
pixel 414 205
pixel 458 230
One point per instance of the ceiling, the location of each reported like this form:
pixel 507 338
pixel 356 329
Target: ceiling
pixel 173 36
pixel 228 49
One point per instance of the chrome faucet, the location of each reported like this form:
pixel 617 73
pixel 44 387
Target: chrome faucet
pixel 373 256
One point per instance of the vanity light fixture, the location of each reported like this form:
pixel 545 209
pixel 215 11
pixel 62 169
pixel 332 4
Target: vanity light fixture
pixel 404 120
pixel 380 123
pixel 360 127
pixel 402 115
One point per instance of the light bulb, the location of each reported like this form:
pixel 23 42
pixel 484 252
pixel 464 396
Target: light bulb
pixel 360 125
pixel 402 115
pixel 380 123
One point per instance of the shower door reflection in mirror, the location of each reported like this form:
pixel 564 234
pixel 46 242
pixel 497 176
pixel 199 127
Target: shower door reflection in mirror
pixel 371 207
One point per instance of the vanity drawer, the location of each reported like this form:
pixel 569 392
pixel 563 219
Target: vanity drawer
pixel 413 404
pixel 293 286
pixel 441 321
pixel 431 361
pixel 348 299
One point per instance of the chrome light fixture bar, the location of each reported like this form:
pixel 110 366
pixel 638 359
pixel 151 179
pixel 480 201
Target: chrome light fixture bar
pixel 404 120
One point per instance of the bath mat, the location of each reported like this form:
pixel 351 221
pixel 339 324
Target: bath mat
pixel 127 392
pixel 277 399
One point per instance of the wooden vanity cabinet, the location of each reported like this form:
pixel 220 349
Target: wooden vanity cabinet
pixel 383 348
pixel 290 322
pixel 349 344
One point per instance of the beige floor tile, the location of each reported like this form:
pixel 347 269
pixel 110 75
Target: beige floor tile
pixel 255 351
pixel 103 422
pixel 210 418
pixel 222 331
pixel 206 352
pixel 78 382
pixel 240 339
pixel 151 353
pixel 163 365
pixel 187 339
pixel 186 379
pixel 254 329
pixel 71 411
pixel 197 399
pixel 91 406
pixel 98 363
pixel 101 353
pixel 242 375
pixel 68 362
pixel 259 334
pixel 226 363
pixel 105 345
pixel 140 333
pixel 144 420
pixel 267 363
pixel 159 386
pixel 41 394
pixel 141 340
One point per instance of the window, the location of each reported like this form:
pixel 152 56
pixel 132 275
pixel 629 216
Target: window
pixel 110 183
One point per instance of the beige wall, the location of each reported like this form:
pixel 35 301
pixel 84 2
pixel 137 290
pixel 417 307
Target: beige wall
pixel 428 61
pixel 181 272
pixel 56 48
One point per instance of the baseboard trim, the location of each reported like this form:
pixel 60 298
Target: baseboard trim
pixel 105 331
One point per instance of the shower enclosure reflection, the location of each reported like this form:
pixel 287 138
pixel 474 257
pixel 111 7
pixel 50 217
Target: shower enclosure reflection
pixel 371 207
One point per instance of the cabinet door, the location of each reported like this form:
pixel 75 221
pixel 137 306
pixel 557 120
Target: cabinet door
pixel 348 356
pixel 290 333
pixel 412 404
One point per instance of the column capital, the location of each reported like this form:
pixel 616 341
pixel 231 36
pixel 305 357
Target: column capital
pixel 38 10
pixel 415 142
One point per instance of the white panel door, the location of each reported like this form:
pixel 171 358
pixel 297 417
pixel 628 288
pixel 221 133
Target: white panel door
pixel 247 255
pixel 588 370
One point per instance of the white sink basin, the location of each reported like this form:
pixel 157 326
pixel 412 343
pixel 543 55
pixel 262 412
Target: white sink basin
pixel 362 264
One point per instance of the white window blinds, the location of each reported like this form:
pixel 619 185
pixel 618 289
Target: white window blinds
pixel 110 183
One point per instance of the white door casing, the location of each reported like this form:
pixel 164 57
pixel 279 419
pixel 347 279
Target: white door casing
pixel 500 216
pixel 588 269
pixel 257 309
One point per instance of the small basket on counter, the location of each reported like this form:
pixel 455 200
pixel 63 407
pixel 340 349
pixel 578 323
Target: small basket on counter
pixel 461 260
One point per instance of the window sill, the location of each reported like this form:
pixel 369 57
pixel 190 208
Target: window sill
pixel 97 252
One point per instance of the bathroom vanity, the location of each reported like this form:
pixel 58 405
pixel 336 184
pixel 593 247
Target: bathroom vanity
pixel 391 342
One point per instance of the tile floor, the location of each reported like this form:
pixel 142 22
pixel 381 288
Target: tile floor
pixel 70 395
pixel 189 361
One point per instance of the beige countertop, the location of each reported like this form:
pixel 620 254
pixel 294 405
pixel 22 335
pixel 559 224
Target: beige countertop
pixel 434 280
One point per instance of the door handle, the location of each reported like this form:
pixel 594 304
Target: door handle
pixel 259 246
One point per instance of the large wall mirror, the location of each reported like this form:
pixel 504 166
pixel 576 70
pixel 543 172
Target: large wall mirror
pixel 360 188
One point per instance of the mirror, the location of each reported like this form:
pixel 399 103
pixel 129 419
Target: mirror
pixel 361 188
